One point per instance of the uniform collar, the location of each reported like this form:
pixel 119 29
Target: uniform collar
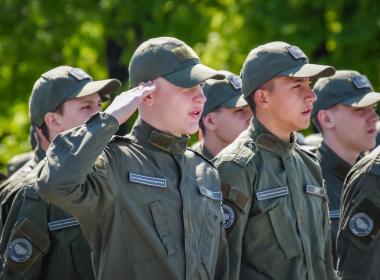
pixel 335 163
pixel 145 133
pixel 267 140
pixel 205 152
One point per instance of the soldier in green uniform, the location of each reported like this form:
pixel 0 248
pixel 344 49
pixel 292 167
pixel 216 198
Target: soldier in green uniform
pixel 345 114
pixel 225 115
pixel 40 240
pixel 149 207
pixel 275 205
pixel 358 243
pixel 18 161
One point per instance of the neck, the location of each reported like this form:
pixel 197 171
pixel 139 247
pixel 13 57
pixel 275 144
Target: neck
pixel 213 144
pixel 345 152
pixel 274 127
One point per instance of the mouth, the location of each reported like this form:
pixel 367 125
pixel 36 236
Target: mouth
pixel 306 112
pixel 196 114
pixel 372 131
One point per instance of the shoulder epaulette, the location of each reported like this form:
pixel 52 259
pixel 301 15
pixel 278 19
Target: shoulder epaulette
pixel 245 152
pixel 200 155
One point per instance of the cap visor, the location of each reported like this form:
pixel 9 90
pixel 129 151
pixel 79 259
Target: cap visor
pixel 365 100
pixel 103 87
pixel 314 71
pixel 193 75
pixel 234 102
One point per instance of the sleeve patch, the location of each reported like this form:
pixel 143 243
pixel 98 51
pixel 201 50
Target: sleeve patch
pixel 20 250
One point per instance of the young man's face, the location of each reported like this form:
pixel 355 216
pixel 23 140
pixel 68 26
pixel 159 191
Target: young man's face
pixel 230 122
pixel 76 111
pixel 290 103
pixel 178 110
pixel 355 128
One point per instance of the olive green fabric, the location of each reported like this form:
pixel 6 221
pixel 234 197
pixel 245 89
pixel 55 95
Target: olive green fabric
pixel 223 93
pixel 170 59
pixel 345 87
pixel 39 240
pixel 200 148
pixel 334 171
pixel 278 59
pixel 18 161
pixel 149 207
pixel 275 207
pixel 358 243
pixel 63 83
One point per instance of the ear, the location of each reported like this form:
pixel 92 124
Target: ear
pixel 53 123
pixel 325 119
pixel 149 99
pixel 209 122
pixel 41 139
pixel 261 98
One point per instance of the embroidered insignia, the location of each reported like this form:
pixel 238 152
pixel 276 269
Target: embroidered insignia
pixel 20 250
pixel 296 52
pixel 79 74
pixel 146 180
pixel 361 224
pixel 272 193
pixel 229 216
pixel 210 194
pixel 310 189
pixel 235 81
pixel 361 81
pixel 65 223
pixel 334 214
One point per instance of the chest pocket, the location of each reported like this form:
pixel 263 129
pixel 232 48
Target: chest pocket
pixel 148 233
pixel 210 228
pixel 271 232
pixel 318 201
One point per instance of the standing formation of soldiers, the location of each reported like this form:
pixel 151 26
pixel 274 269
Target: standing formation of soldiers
pixel 246 202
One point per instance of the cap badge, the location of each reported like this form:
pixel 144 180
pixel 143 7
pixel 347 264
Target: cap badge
pixel 361 81
pixel 361 224
pixel 296 52
pixel 184 53
pixel 79 74
pixel 235 81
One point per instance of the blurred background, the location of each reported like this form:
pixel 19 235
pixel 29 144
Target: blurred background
pixel 100 37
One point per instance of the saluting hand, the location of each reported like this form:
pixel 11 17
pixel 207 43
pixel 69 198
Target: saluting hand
pixel 123 106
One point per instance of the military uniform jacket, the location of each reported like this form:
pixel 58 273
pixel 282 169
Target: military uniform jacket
pixel 150 208
pixel 334 171
pixel 276 214
pixel 358 242
pixel 40 240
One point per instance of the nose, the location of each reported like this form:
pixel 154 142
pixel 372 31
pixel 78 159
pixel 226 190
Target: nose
pixel 373 117
pixel 199 95
pixel 310 95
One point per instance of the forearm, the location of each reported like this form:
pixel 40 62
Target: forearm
pixel 71 155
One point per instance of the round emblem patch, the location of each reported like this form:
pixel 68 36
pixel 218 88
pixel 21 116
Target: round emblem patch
pixel 361 224
pixel 20 250
pixel 229 216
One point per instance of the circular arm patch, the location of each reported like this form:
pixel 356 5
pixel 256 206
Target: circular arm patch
pixel 361 224
pixel 20 250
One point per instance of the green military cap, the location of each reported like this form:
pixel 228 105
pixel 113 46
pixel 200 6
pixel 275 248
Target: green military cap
pixel 223 93
pixel 170 59
pixel 346 87
pixel 278 59
pixel 63 83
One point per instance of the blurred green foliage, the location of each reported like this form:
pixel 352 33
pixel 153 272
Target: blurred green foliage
pixel 100 37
